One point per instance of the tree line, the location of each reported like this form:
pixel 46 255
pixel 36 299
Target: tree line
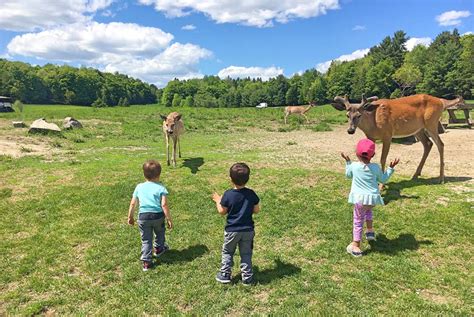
pixel 53 84
pixel 444 69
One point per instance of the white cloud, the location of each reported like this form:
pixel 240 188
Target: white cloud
pixel 359 28
pixel 5 56
pixel 177 61
pixel 92 42
pixel 37 14
pixel 414 41
pixel 324 66
pixel 452 18
pixel 143 52
pixel 95 5
pixel 467 33
pixel 108 13
pixel 260 13
pixel 188 27
pixel 252 72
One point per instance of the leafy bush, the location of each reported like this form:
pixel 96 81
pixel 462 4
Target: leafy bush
pixel 99 103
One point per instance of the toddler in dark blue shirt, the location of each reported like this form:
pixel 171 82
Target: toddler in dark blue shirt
pixel 239 204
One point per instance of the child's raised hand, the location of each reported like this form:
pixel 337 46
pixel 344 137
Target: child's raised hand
pixel 394 162
pixel 345 157
pixel 216 197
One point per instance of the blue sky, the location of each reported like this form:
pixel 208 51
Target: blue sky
pixel 158 40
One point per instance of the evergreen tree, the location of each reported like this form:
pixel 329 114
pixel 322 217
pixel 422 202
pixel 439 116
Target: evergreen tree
pixel 176 101
pixel 292 95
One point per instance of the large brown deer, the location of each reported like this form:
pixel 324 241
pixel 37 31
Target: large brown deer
pixel 384 119
pixel 173 127
pixel 298 110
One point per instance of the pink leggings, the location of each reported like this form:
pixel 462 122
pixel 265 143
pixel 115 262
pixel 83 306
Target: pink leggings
pixel 361 214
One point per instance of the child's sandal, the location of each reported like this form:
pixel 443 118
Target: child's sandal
pixel 350 250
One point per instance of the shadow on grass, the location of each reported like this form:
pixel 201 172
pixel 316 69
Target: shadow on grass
pixel 186 255
pixel 403 242
pixel 193 164
pixel 281 270
pixel 405 141
pixel 393 191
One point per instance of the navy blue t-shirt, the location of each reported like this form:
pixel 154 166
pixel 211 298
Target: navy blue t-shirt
pixel 239 204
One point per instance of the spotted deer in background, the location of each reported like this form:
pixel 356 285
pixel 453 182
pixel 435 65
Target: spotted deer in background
pixel 173 127
pixel 301 110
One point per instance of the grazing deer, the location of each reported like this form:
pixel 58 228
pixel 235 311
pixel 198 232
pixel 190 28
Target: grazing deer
pixel 173 127
pixel 298 110
pixel 384 119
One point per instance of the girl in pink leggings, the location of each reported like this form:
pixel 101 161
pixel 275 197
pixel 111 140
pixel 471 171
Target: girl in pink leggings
pixel 365 193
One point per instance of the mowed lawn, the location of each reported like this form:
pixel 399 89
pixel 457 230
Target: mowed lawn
pixel 66 248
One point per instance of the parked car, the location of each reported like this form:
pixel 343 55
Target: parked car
pixel 262 105
pixel 6 104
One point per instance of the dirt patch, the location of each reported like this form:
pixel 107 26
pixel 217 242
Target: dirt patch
pixel 262 297
pixel 16 143
pixel 98 122
pixel 443 201
pixel 437 298
pixel 321 149
pixel 19 146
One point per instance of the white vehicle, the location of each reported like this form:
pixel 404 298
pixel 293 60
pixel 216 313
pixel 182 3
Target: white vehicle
pixel 262 105
pixel 6 104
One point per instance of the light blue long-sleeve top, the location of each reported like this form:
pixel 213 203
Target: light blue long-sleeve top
pixel 365 179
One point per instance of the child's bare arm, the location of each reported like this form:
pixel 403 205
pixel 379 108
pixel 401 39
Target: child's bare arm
pixel 346 157
pixel 217 199
pixel 166 210
pixel 256 208
pixel 385 175
pixel 348 165
pixel 131 210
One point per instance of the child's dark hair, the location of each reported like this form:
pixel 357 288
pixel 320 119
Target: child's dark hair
pixel 151 169
pixel 239 173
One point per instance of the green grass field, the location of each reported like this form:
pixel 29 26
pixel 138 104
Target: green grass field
pixel 66 248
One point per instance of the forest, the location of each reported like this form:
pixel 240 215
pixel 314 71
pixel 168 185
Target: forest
pixel 445 69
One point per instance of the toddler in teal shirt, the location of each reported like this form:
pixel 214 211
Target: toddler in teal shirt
pixel 153 211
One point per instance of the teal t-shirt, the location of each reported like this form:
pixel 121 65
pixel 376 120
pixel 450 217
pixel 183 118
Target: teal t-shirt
pixel 149 196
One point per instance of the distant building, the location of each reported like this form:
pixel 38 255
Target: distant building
pixel 6 104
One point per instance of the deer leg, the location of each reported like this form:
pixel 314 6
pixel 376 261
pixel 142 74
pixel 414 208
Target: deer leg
pixel 286 116
pixel 174 151
pixel 383 159
pixel 427 144
pixel 307 121
pixel 385 149
pixel 179 147
pixel 167 139
pixel 433 132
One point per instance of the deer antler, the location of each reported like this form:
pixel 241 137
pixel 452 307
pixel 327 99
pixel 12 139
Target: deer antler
pixel 344 101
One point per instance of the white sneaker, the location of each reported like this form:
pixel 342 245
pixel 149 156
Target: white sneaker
pixel 370 236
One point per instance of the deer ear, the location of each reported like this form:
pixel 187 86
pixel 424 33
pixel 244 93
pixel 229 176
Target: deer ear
pixel 369 107
pixel 163 116
pixel 338 106
pixel 373 98
pixel 178 117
